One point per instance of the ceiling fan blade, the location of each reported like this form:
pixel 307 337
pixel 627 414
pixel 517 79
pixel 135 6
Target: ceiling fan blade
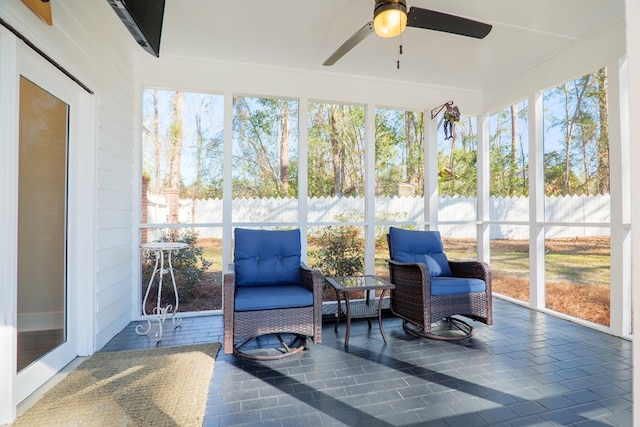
pixel 438 21
pixel 360 35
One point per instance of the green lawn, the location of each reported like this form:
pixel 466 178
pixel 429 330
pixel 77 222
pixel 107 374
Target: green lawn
pixel 568 262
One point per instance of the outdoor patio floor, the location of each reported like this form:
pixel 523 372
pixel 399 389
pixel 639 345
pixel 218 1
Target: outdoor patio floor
pixel 528 369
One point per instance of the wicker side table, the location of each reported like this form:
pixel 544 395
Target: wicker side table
pixel 367 308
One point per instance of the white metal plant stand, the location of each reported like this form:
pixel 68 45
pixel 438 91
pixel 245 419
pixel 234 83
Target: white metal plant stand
pixel 160 251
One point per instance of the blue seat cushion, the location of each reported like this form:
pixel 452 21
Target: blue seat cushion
pixel 267 257
pixel 456 285
pixel 411 246
pixel 250 298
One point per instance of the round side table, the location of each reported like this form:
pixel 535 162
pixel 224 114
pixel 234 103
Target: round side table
pixel 161 251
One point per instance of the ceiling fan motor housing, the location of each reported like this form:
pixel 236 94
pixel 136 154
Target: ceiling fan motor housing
pixel 417 18
pixel 382 5
pixel 390 17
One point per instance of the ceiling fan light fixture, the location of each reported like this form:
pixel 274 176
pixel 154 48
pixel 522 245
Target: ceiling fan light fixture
pixel 390 17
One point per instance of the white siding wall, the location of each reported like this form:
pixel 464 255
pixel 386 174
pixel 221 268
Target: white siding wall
pixel 77 41
pixel 108 64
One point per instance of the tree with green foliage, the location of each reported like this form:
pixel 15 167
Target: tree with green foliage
pixel 457 166
pixel 399 151
pixel 508 162
pixel 336 150
pixel 207 154
pixel 180 128
pixel 263 155
pixel 582 153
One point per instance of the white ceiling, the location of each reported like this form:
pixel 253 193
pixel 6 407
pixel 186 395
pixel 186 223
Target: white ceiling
pixel 301 34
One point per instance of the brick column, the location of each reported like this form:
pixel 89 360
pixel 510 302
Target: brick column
pixel 171 196
pixel 143 219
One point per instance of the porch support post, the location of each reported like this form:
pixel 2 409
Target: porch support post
pixel 227 178
pixel 633 62
pixel 370 191
pixel 431 196
pixel 483 193
pixel 536 202
pixel 620 198
pixel 303 172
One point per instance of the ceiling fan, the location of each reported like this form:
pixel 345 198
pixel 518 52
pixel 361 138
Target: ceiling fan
pixel 390 18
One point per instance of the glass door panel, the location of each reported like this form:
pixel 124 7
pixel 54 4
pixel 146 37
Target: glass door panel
pixel 42 223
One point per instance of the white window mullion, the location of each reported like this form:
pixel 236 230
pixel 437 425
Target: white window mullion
pixel 227 179
pixel 484 227
pixel 431 196
pixel 370 190
pixel 536 202
pixel 303 171
pixel 619 188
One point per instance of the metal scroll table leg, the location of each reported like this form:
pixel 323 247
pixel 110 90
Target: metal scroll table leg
pixel 384 337
pixel 140 330
pixel 339 306
pixel 175 320
pixel 160 312
pixel 348 310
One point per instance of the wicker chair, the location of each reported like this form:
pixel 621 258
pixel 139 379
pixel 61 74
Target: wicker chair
pixel 430 289
pixel 268 291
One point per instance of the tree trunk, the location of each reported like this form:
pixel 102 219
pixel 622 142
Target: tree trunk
pixel 336 151
pixel 603 140
pixel 513 166
pixel 157 147
pixel 199 152
pixel 571 123
pixel 177 103
pixel 284 150
pixel 410 132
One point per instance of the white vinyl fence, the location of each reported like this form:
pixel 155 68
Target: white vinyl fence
pixel 565 209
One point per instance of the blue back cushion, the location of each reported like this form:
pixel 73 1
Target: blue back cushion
pixel 411 246
pixel 267 257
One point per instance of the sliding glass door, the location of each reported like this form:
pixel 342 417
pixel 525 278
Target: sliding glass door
pixel 45 294
pixel 42 222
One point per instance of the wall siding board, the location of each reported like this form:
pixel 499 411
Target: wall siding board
pixel 111 180
pixel 111 320
pixel 112 162
pixel 112 238
pixel 114 294
pixel 116 128
pixel 115 274
pixel 113 256
pixel 111 197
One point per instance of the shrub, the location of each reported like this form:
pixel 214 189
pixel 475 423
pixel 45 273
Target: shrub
pixel 189 265
pixel 340 251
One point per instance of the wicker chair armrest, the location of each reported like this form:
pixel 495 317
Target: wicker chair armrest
pixel 311 278
pixel 471 269
pixel 410 274
pixel 228 306
pixel 229 287
pixel 419 269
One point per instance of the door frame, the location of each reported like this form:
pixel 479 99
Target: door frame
pixel 17 59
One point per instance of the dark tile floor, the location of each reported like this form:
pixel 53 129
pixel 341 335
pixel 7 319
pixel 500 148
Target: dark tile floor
pixel 528 369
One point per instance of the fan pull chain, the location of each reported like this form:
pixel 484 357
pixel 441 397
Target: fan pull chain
pixel 399 51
